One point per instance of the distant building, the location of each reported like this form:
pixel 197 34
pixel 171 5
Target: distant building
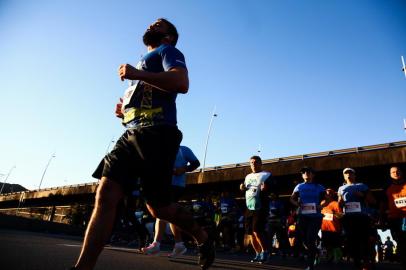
pixel 9 188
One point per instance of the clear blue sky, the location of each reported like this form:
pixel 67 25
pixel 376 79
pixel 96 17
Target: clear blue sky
pixel 294 77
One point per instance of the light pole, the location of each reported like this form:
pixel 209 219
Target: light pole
pixel 45 170
pixel 108 146
pixel 5 180
pixel 259 149
pixel 207 143
pixel 404 124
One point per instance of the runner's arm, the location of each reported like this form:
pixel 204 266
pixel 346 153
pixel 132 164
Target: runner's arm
pixel 294 199
pixel 174 80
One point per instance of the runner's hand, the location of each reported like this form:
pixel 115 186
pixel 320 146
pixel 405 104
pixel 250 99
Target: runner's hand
pixel 127 71
pixel 119 112
pixel 242 187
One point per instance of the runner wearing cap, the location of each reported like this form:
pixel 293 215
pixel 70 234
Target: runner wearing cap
pixel 353 197
pixel 307 196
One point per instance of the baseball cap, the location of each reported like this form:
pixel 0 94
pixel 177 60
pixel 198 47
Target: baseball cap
pixel 348 169
pixel 306 169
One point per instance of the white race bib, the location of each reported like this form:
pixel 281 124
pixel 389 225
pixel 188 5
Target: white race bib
pixel 328 216
pixel 128 94
pixel 400 202
pixel 352 207
pixel 308 208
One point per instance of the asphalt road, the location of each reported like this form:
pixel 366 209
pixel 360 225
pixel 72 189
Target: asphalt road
pixel 20 250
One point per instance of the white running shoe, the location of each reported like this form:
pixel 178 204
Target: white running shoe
pixel 152 249
pixel 178 249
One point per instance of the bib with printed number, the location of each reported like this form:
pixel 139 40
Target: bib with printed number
pixel 308 208
pixel 128 93
pixel 400 202
pixel 352 207
pixel 328 216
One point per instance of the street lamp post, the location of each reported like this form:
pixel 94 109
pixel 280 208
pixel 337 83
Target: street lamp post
pixel 404 124
pixel 5 180
pixel 207 143
pixel 45 170
pixel 108 146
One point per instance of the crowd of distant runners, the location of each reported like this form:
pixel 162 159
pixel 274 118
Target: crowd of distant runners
pixel 316 224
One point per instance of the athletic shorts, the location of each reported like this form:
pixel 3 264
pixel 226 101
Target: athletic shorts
pixel 147 154
pixel 255 221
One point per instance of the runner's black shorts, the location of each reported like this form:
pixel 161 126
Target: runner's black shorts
pixel 255 221
pixel 147 154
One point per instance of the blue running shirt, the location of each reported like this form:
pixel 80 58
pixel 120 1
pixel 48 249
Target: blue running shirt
pixel 184 156
pixel 145 105
pixel 353 204
pixel 310 195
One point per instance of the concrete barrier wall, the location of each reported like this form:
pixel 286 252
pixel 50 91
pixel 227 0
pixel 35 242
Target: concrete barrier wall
pixel 27 224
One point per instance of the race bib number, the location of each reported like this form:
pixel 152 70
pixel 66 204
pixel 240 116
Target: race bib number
pixel 400 202
pixel 128 94
pixel 352 207
pixel 328 217
pixel 308 208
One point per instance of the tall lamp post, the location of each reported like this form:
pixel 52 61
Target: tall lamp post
pixel 207 143
pixel 108 146
pixel 404 124
pixel 5 180
pixel 45 170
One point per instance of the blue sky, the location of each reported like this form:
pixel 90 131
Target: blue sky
pixel 292 77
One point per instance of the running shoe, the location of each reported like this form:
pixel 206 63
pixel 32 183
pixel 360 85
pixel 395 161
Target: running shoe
pixel 152 249
pixel 263 257
pixel 178 249
pixel 256 258
pixel 207 253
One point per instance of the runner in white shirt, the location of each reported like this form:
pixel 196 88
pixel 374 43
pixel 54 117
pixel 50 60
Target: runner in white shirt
pixel 256 187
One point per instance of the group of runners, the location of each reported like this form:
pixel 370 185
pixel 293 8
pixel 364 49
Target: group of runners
pixel 351 213
pixel 145 154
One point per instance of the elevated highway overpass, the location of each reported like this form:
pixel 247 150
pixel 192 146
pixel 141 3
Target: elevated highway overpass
pixel 370 162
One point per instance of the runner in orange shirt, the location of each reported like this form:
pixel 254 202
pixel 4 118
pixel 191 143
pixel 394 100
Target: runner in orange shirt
pixel 396 211
pixel 331 227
